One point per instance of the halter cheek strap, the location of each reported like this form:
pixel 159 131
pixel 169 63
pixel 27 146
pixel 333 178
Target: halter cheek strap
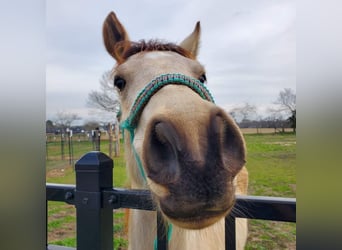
pixel 141 101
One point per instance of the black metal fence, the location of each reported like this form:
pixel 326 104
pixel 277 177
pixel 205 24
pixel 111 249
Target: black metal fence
pixel 95 198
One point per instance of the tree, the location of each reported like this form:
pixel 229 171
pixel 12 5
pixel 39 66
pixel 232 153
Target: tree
pixel 287 103
pixel 107 98
pixel 276 121
pixel 49 126
pixel 64 119
pixel 243 113
pixel 292 120
pixel 91 125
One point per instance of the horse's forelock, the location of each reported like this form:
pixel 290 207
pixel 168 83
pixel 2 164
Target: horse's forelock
pixel 132 48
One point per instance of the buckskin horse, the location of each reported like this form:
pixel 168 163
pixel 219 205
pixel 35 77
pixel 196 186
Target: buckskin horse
pixel 178 144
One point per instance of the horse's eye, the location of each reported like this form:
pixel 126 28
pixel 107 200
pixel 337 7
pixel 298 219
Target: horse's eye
pixel 202 78
pixel 119 82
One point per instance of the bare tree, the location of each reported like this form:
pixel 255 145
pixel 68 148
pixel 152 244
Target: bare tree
pixel 287 103
pixel 276 121
pixel 233 114
pixel 287 100
pixel 91 125
pixel 64 119
pixel 244 112
pixel 107 98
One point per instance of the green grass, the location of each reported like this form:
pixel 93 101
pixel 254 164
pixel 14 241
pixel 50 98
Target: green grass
pixel 271 163
pixel 62 226
pixel 68 242
pixel 63 171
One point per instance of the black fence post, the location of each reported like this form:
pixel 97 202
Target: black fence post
pixel 98 139
pixel 94 173
pixel 47 149
pixel 230 233
pixel 62 144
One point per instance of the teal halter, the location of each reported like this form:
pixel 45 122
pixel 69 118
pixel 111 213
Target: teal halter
pixel 141 101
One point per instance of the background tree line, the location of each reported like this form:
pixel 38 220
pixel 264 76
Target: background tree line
pixel 280 115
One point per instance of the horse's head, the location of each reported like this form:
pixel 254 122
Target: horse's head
pixel 190 150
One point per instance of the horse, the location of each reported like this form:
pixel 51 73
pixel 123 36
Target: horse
pixel 178 143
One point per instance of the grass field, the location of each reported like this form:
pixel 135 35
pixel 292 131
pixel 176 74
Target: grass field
pixel 271 162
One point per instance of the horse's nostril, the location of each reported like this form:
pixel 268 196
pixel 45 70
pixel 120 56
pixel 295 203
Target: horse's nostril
pixel 162 132
pixel 161 153
pixel 167 134
pixel 231 146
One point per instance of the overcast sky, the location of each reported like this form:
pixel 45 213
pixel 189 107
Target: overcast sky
pixel 247 47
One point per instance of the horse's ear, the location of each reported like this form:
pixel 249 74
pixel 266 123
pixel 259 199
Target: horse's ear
pixel 191 43
pixel 115 36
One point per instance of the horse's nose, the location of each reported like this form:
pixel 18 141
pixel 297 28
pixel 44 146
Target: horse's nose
pixel 204 145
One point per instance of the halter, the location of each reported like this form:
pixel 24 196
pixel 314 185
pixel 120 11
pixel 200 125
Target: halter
pixel 156 84
pixel 141 101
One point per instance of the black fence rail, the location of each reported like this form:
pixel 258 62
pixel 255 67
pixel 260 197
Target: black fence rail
pixel 95 199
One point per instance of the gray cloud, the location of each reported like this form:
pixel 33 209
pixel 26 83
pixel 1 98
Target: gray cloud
pixel 247 47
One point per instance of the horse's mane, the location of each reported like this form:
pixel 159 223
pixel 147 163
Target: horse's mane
pixel 129 48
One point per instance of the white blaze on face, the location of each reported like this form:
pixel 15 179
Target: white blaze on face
pixel 157 55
